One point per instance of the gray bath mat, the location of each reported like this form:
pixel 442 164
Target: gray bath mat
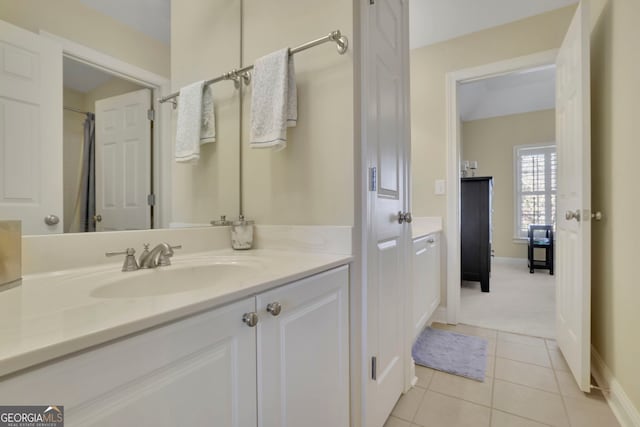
pixel 450 352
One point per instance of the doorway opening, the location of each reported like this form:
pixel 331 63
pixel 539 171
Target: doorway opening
pixel 90 96
pixel 508 176
pixel 462 88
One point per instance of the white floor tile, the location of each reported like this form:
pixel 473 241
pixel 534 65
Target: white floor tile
pixel 408 404
pixel 438 410
pixel 523 353
pixel 463 388
pixel 502 419
pixel 424 375
pixel 396 422
pixel 526 374
pixel 590 412
pixel 530 403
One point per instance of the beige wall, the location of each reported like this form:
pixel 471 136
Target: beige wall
pixel 73 136
pixel 73 20
pixel 491 142
pixel 615 84
pixel 429 66
pixel 205 41
pixel 311 181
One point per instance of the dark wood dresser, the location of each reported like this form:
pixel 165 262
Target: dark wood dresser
pixel 475 233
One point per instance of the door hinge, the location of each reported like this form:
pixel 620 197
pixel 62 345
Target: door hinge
pixel 151 199
pixel 151 114
pixel 372 1
pixel 374 368
pixel 373 178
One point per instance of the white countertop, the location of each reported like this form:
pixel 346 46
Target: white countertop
pixel 423 226
pixel 54 314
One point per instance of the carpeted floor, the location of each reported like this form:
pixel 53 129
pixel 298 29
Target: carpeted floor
pixel 518 302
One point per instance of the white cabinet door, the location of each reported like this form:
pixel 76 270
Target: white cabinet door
pixel 30 129
pixel 303 353
pixel 426 280
pixel 200 371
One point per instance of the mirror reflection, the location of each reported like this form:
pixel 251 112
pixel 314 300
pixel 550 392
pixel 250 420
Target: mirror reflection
pixel 81 151
pixel 106 151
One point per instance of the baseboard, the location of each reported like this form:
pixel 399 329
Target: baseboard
pixel 439 316
pixel 508 260
pixel 620 404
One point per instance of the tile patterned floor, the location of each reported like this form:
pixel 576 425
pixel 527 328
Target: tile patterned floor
pixel 527 385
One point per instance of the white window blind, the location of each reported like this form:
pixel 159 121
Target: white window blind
pixel 535 187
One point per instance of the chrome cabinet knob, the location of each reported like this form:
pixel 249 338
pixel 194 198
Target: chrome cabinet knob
pixel 569 215
pixel 274 308
pixel 404 217
pixel 250 319
pixel 51 219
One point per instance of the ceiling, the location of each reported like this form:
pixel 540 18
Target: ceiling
pixel 515 93
pixel 151 17
pixel 433 21
pixel 82 78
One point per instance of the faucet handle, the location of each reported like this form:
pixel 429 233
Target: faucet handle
pixel 165 258
pixel 130 263
pixel 128 251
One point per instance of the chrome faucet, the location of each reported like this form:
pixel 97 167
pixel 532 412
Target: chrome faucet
pixel 158 256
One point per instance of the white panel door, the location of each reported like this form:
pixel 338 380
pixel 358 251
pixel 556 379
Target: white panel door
pixel 573 238
pixel 30 129
pixel 123 161
pixel 388 248
pixel 200 371
pixel 303 353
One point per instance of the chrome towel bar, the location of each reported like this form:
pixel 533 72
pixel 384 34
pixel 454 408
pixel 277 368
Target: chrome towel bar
pixel 242 74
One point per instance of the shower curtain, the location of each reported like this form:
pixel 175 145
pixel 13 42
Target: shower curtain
pixel 85 207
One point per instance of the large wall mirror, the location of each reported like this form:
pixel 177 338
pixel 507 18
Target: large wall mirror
pixel 80 150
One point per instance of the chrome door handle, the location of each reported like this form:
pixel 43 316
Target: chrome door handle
pixel 597 215
pixel 274 308
pixel 404 217
pixel 51 219
pixel 250 319
pixel 97 218
pixel 569 215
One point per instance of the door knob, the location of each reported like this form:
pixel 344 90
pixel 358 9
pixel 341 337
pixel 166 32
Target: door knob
pixel 573 215
pixel 274 308
pixel 51 219
pixel 597 215
pixel 97 218
pixel 250 319
pixel 404 217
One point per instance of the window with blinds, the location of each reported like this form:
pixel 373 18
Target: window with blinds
pixel 535 187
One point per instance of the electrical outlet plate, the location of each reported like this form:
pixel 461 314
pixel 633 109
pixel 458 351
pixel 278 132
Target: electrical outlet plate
pixel 439 186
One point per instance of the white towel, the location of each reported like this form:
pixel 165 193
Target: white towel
pixel 274 102
pixel 208 128
pixel 196 122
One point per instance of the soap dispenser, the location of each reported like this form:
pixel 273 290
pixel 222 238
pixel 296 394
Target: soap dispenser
pixel 242 234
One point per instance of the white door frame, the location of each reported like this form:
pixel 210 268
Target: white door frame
pixel 161 129
pixel 453 79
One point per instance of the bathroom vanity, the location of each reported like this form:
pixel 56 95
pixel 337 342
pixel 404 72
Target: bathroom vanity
pixel 264 340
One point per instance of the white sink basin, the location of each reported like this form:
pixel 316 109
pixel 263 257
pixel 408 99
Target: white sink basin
pixel 174 279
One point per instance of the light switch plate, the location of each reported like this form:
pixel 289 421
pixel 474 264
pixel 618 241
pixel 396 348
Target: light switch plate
pixel 439 186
